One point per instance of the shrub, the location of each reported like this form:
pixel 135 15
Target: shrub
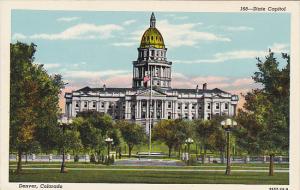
pixel 76 158
pixel 92 158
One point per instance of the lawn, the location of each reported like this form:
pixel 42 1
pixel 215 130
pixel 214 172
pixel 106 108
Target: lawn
pixel 92 173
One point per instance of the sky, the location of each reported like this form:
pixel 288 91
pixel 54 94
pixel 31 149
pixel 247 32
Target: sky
pixel 91 48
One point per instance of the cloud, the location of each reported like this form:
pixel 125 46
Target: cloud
pixel 67 19
pixel 19 36
pixel 80 31
pixel 238 28
pixel 80 74
pixel 238 54
pixel 48 65
pixel 129 22
pixel 175 35
pixel 179 80
pixel 124 44
pixel 51 65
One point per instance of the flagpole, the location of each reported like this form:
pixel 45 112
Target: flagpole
pixel 150 117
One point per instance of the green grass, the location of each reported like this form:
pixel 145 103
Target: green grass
pixel 148 176
pixel 89 176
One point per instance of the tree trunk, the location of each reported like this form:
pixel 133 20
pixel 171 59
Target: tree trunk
pixel 179 152
pixel 98 156
pixel 170 149
pixel 19 166
pixel 222 156
pixel 129 150
pixel 204 155
pixel 26 158
pixel 271 166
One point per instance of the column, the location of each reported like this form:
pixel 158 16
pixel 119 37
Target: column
pixel 140 108
pixel 106 105
pixel 189 110
pixel 196 110
pixel 176 106
pixel 154 110
pixel 136 109
pixel 147 109
pixel 126 110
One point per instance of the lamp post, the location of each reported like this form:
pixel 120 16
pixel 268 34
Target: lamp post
pixel 227 125
pixel 189 141
pixel 108 141
pixel 63 123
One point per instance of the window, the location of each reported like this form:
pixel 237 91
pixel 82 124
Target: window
pixel 152 52
pixel 94 104
pixel 226 106
pixel 77 104
pixel 157 83
pixel 179 107
pixel 208 116
pixel 169 115
pixel 185 107
pixel 102 104
pixel 85 104
pixel 200 107
pixel 186 116
pixel 143 114
pixel 193 116
pixel 193 106
pixel 179 116
pixel 169 104
pixel 217 105
pixel 109 106
pixel 151 37
pixel 208 106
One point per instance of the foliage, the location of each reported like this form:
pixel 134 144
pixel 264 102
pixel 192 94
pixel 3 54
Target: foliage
pixel 172 132
pixel 34 97
pixel 133 134
pixel 265 118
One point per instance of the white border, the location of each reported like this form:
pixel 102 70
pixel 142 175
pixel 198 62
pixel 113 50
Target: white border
pixel 293 7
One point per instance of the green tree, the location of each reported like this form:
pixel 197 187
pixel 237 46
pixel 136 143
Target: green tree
pixel 34 99
pixel 265 118
pixel 172 132
pixel 132 133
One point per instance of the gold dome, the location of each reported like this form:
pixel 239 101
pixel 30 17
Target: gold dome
pixel 152 37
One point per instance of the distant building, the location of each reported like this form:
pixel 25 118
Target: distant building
pixel 134 103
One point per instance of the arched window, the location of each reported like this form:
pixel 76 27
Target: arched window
pixel 151 37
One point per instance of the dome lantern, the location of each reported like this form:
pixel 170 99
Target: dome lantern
pixel 152 21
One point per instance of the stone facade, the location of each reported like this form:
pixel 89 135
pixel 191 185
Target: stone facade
pixel 151 97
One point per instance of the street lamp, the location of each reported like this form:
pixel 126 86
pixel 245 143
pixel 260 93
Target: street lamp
pixel 227 125
pixel 189 141
pixel 63 123
pixel 108 141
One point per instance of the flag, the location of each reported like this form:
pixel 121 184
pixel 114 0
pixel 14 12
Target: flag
pixel 146 79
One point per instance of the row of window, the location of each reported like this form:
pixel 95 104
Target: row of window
pixel 152 53
pixel 217 105
pixel 157 38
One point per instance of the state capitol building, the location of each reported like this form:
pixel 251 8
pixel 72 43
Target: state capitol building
pixel 151 97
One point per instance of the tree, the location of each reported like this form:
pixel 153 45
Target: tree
pixel 132 133
pixel 34 99
pixel 171 132
pixel 91 137
pixel 69 140
pixel 265 118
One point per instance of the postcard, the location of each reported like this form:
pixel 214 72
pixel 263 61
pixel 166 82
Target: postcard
pixel 150 94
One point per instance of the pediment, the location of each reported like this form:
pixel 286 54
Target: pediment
pixel 148 92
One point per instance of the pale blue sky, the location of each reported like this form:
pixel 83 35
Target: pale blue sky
pixel 92 48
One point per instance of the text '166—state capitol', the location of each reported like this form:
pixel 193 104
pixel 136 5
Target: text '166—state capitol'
pixel 151 97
